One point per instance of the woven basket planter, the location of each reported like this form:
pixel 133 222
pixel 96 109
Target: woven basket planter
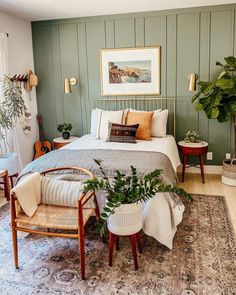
pixel 229 172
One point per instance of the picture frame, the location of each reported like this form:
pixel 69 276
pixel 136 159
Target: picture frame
pixel 130 71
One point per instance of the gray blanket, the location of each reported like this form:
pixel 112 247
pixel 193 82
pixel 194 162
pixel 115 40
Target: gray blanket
pixel 144 162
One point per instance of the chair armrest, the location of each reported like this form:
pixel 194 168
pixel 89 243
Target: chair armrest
pixel 83 199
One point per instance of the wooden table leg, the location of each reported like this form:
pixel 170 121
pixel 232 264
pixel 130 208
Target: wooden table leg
pixel 112 238
pixel 184 166
pixel 201 159
pixel 139 242
pixel 6 186
pixel 133 245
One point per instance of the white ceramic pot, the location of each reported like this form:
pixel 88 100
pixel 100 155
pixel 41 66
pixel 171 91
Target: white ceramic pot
pixel 9 162
pixel 126 220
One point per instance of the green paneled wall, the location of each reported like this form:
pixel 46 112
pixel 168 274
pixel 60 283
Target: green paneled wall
pixel 191 41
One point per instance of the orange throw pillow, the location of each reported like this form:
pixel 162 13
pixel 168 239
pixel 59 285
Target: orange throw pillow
pixel 144 120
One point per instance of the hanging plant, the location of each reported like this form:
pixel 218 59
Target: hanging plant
pixel 13 103
pixel 12 106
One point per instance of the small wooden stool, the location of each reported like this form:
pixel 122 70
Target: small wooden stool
pixel 114 239
pixel 4 175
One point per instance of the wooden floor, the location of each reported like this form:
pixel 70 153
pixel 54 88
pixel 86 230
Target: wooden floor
pixel 193 184
pixel 213 186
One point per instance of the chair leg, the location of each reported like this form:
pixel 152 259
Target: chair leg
pixel 6 186
pixel 139 242
pixel 133 244
pixel 97 212
pixel 111 247
pixel 15 247
pixel 82 257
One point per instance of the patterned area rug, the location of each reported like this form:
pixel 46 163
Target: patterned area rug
pixel 203 260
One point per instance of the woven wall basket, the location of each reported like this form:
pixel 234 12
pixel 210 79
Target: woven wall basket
pixel 229 172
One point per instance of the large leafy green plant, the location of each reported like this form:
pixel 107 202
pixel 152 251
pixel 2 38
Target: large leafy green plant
pixel 11 107
pixel 128 189
pixel 218 98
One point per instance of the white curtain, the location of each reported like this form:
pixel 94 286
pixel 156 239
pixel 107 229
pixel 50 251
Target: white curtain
pixel 12 135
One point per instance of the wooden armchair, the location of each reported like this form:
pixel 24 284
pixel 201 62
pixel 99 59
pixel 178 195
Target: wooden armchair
pixel 49 217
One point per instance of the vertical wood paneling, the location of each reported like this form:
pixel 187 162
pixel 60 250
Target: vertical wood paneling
pixel 155 34
pixel 204 74
pixel 83 77
pixel 69 69
pixel 57 78
pixel 124 33
pixel 95 35
pixel 221 25
pixel 191 42
pixel 139 32
pixel 110 35
pixel 43 65
pixel 187 63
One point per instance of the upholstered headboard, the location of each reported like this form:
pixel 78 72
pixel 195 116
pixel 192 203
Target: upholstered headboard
pixel 138 103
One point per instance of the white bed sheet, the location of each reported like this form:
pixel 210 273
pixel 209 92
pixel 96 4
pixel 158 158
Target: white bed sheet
pixel 165 145
pixel 161 214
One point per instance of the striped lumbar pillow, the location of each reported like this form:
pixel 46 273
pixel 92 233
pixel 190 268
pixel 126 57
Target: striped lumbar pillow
pixel 122 133
pixel 61 192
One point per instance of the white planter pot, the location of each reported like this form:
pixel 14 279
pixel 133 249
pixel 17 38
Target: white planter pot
pixel 9 162
pixel 126 220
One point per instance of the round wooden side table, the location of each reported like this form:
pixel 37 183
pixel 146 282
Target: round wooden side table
pixel 193 149
pixel 60 141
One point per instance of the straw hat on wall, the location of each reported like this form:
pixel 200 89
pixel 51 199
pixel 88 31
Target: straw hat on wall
pixel 32 80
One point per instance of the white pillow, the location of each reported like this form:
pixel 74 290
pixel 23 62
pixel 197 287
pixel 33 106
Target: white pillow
pixel 106 117
pixel 95 120
pixel 159 122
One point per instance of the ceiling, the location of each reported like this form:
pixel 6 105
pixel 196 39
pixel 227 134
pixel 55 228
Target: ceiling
pixel 55 9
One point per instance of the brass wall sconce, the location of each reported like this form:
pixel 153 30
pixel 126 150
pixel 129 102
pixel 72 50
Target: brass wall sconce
pixel 192 82
pixel 68 83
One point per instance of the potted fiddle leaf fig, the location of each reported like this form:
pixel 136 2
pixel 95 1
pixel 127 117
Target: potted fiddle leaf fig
pixel 125 194
pixel 65 129
pixel 12 107
pixel 217 99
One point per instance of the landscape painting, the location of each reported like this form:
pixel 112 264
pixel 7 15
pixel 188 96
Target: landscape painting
pixel 138 71
pixel 130 71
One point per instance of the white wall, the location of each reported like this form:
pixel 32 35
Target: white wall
pixel 20 61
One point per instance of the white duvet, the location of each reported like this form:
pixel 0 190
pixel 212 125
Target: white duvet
pixel 161 215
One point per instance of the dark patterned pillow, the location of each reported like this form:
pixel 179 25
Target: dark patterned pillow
pixel 122 133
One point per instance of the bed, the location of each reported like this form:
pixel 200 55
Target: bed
pixel 161 214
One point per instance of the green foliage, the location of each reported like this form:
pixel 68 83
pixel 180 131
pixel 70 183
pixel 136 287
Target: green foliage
pixel 12 107
pixel 218 98
pixel 192 136
pixel 65 127
pixel 129 189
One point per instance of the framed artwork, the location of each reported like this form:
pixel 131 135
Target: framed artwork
pixel 130 71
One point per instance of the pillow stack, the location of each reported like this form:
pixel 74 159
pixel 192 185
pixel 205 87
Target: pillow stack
pixel 126 125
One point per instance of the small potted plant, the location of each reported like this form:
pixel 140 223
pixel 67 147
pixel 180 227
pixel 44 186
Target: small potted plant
pixel 192 136
pixel 125 194
pixel 65 129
